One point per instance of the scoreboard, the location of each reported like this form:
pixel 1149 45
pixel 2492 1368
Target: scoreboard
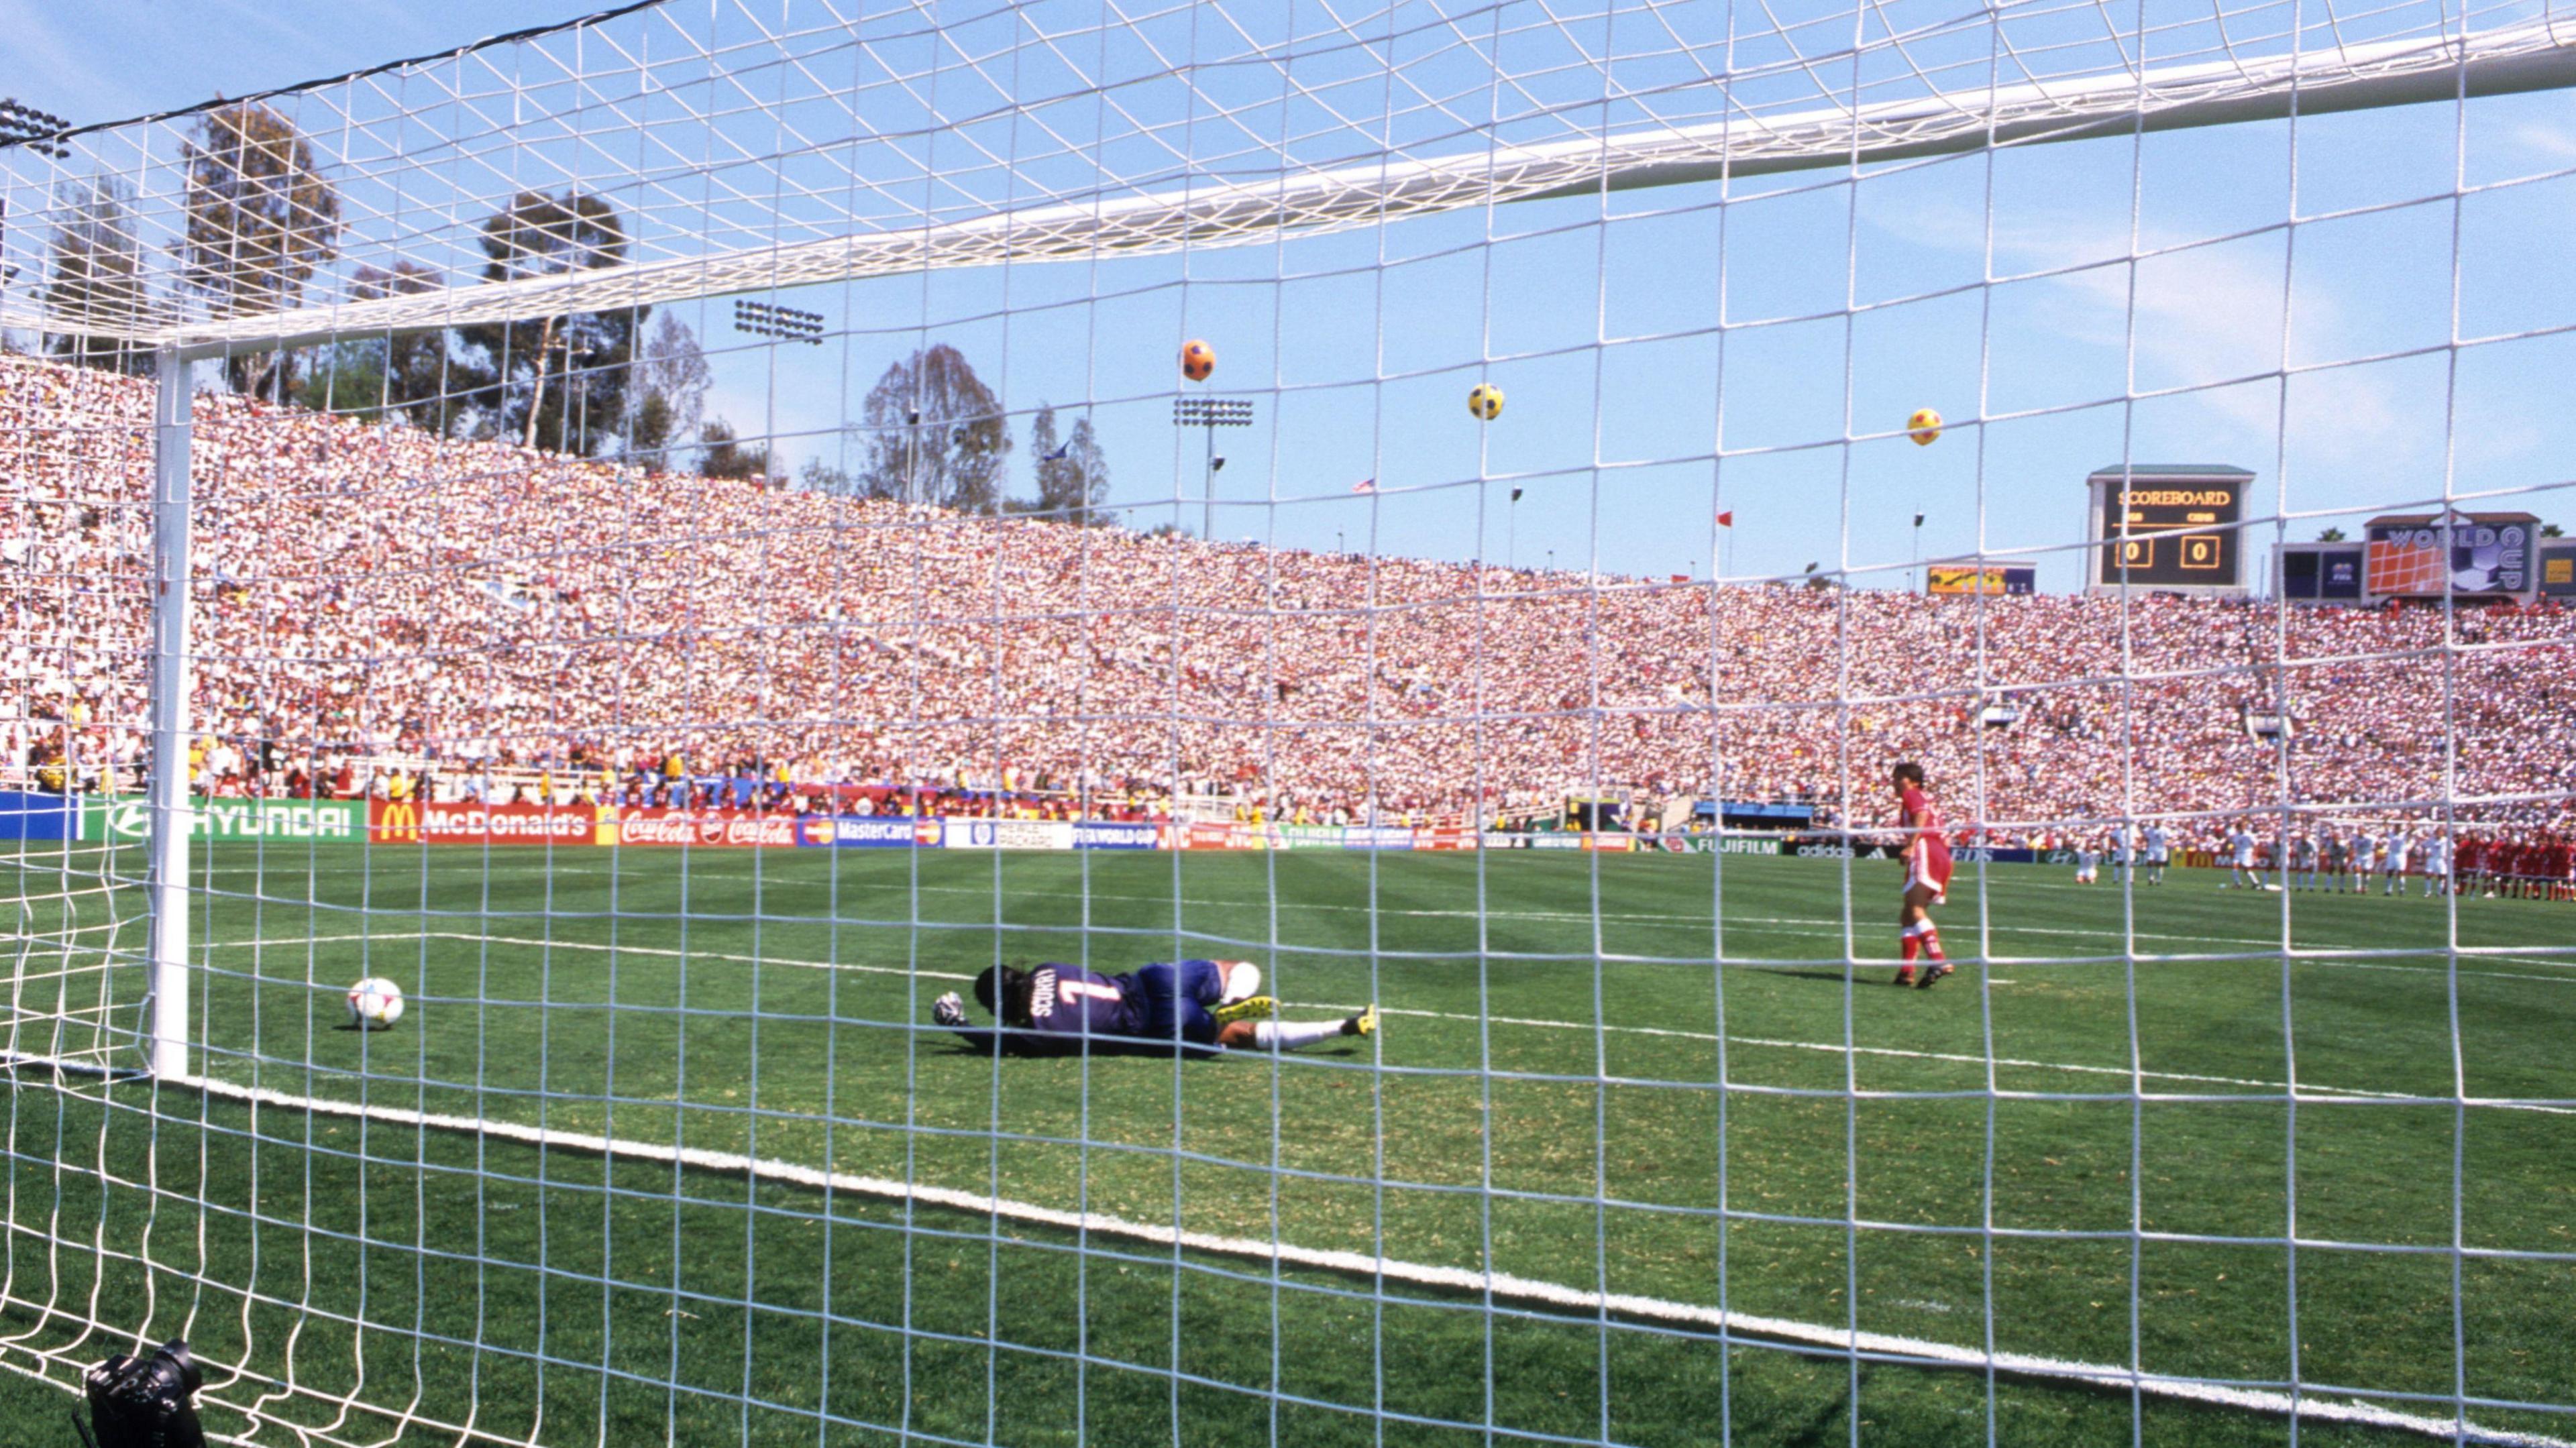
pixel 2169 527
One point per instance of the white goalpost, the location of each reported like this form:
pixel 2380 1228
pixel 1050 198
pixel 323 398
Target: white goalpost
pixel 668 541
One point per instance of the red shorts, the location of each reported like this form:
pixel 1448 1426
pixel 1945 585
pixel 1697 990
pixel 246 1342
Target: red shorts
pixel 1928 864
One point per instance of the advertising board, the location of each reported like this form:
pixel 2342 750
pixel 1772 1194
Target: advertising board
pixel 2558 570
pixel 868 832
pixel 1377 837
pixel 1106 835
pixel 411 822
pixel 320 821
pixel 38 816
pixel 1952 578
pixel 978 834
pixel 705 828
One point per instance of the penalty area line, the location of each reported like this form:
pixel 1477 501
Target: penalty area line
pixel 1505 1285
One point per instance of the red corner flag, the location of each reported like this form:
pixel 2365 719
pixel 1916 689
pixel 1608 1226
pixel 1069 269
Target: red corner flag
pixel 1726 519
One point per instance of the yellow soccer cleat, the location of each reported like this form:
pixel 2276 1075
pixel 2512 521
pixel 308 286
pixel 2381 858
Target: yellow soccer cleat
pixel 1250 1008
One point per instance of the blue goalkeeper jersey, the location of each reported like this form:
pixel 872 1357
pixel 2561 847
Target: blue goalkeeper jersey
pixel 1071 1009
pixel 1068 1004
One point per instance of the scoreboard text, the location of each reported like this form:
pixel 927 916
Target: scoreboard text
pixel 2171 535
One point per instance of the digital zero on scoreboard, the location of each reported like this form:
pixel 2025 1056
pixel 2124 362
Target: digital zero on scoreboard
pixel 2168 526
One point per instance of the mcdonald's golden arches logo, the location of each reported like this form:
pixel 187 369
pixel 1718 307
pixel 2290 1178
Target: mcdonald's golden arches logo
pixel 397 821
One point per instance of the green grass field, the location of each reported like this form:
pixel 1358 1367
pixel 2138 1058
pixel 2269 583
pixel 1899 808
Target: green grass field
pixel 2066 1151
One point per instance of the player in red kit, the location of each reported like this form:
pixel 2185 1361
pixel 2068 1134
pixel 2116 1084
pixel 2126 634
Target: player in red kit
pixel 1927 878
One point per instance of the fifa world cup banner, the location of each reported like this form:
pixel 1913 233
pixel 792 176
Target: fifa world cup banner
pixel 870 832
pixel 2470 553
pixel 705 828
pixel 297 821
pixel 1110 835
pixel 411 822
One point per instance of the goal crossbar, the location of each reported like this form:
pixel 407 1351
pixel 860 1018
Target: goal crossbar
pixel 1222 210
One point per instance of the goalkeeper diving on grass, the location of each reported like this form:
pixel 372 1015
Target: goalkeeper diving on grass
pixel 1199 1007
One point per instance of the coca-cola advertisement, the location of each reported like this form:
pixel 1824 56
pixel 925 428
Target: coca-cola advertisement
pixel 706 828
pixel 413 822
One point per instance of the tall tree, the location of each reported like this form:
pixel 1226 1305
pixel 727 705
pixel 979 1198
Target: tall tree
pixel 668 397
pixel 727 456
pixel 556 382
pixel 934 433
pixel 1072 475
pixel 412 362
pixel 261 215
pixel 95 273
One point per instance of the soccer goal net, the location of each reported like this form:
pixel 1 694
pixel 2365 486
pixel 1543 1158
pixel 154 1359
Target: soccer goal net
pixel 815 721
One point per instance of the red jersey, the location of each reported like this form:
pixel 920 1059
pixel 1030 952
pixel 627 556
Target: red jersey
pixel 1927 853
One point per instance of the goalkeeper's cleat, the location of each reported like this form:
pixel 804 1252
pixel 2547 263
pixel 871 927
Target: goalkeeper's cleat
pixel 1933 971
pixel 1363 1024
pixel 1250 1008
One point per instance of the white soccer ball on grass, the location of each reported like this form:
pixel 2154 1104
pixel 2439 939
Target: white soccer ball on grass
pixel 375 1003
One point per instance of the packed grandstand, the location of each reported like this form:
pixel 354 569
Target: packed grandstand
pixel 382 609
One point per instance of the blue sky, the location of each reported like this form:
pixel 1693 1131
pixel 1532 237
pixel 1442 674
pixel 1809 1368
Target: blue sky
pixel 1604 319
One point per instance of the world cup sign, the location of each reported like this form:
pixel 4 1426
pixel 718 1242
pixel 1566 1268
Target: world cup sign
pixel 2461 553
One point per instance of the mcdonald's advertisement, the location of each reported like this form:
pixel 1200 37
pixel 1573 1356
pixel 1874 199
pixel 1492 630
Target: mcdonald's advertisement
pixel 412 822
pixel 282 821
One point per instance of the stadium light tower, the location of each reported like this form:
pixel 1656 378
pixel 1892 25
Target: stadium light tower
pixel 40 131
pixel 1209 414
pixel 767 319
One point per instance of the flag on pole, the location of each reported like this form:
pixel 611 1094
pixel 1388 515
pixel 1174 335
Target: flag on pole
pixel 1726 519
pixel 1918 520
pixel 1365 485
pixel 1516 495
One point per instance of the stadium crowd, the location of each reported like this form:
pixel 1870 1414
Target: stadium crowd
pixel 374 603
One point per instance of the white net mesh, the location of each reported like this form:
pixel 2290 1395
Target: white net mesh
pixel 698 548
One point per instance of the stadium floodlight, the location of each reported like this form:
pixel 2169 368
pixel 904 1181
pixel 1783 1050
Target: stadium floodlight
pixel 767 319
pixel 39 131
pixel 1208 414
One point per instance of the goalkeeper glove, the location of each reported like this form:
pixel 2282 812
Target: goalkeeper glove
pixel 949 1011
